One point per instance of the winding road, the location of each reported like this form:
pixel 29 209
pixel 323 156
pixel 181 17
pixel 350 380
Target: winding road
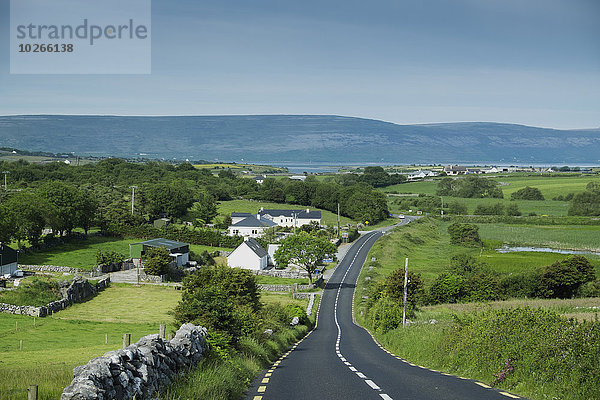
pixel 340 360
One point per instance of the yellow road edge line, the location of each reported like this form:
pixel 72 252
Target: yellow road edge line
pixel 261 389
pixel 512 396
pixel 483 385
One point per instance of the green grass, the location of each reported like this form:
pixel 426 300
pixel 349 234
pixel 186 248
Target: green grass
pixel 251 206
pixel 78 254
pixel 52 349
pixel 577 237
pixel 82 253
pixel 550 186
pixel 127 304
pixel 431 257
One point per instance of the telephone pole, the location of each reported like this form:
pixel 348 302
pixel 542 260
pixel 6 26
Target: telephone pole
pixel 339 232
pixel 405 292
pixel 5 173
pixel 132 197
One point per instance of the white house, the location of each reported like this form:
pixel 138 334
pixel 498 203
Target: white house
pixel 455 169
pixel 260 179
pixel 248 255
pixel 291 218
pixel 8 260
pixel 298 177
pixel 253 226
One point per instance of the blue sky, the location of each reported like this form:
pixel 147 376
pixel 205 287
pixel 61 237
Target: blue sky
pixel 534 62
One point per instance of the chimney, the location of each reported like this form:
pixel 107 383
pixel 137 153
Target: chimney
pixel 307 210
pixel 246 238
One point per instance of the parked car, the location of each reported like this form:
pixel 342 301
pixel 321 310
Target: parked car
pixel 18 273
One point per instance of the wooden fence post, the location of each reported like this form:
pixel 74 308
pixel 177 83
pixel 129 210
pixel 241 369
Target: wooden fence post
pixel 170 336
pixel 106 338
pixel 32 392
pixel 163 331
pixel 21 344
pixel 126 339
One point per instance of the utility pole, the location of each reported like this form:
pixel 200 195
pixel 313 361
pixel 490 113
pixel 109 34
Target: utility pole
pixel 5 173
pixel 294 222
pixel 405 292
pixel 442 197
pixel 132 197
pixel 339 232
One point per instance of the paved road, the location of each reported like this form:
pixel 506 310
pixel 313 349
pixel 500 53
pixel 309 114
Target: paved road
pixel 340 360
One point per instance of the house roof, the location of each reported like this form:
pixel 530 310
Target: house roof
pixel 455 168
pixel 253 222
pixel 311 214
pixel 160 242
pixel 240 214
pixel 255 247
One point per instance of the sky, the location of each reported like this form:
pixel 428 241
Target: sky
pixel 532 62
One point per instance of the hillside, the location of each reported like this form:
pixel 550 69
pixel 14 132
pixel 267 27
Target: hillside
pixel 315 138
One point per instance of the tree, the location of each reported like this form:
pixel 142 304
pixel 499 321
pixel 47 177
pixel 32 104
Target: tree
pixel 469 187
pixel 464 234
pixel 69 207
pixel 527 193
pixel 513 210
pixel 156 261
pixel 585 203
pixel 7 225
pixel 563 278
pixel 489 209
pixel 30 210
pixel 225 300
pixel 170 199
pixel 205 209
pixel 305 251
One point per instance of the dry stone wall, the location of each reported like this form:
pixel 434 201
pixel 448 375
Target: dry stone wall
pixel 78 290
pixel 141 369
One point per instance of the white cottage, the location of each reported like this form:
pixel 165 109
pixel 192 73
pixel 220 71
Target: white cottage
pixel 253 226
pixel 248 255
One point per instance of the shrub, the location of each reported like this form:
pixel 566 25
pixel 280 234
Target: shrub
pixel 527 193
pixel 464 234
pixel 482 287
pixel 563 278
pixel 513 210
pixel 156 261
pixel 490 209
pixel 108 257
pixel 457 207
pixel 385 315
pixel 447 288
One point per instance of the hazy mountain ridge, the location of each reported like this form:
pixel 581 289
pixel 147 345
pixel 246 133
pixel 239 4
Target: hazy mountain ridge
pixel 269 138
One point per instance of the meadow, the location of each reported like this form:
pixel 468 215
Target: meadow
pixel 82 253
pixel 550 185
pixel 53 346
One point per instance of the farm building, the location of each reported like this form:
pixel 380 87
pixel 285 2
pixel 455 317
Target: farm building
pixel 248 255
pixel 8 260
pixel 179 251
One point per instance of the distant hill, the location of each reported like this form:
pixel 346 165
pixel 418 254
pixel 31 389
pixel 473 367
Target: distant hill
pixel 298 138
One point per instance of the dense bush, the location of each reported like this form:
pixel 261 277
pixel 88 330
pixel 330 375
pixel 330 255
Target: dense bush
pixel 457 207
pixel 32 292
pixel 156 261
pixel 563 278
pixel 490 209
pixel 527 193
pixel 563 355
pixel 431 204
pixel 464 234
pixel 469 187
pixel 585 203
pixel 108 257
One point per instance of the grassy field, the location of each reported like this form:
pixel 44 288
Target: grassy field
pixel 579 237
pixel 550 186
pixel 82 254
pixel 427 245
pixel 250 206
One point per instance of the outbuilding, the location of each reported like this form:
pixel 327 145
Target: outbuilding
pixel 8 260
pixel 178 250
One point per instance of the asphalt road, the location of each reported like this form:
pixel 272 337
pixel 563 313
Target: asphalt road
pixel 340 360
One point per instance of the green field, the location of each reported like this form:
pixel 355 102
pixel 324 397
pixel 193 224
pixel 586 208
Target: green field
pixel 431 257
pixel 57 344
pixel 550 186
pixel 82 253
pixel 251 206
pixel 574 237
